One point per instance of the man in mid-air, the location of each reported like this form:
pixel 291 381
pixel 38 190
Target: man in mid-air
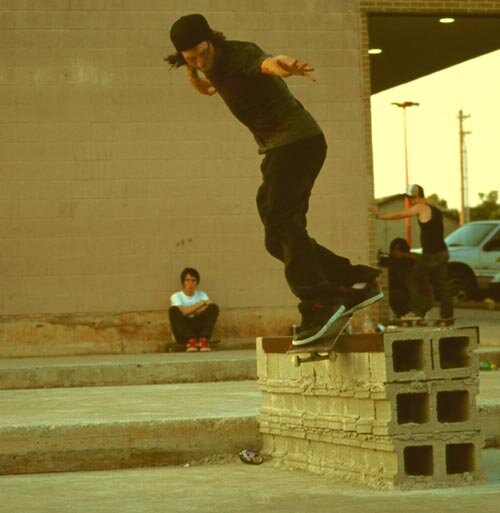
pixel 251 84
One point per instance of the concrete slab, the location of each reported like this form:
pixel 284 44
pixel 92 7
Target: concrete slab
pixel 48 430
pixel 133 369
pixel 234 487
pixel 116 427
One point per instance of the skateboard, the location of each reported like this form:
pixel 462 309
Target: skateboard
pixel 324 348
pixel 422 321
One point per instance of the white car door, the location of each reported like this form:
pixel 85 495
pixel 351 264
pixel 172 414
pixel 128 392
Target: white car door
pixel 489 264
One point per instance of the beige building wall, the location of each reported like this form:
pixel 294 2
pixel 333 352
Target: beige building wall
pixel 114 174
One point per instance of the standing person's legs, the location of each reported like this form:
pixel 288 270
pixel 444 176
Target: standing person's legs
pixel 288 176
pixel 181 326
pixel 418 274
pixel 439 279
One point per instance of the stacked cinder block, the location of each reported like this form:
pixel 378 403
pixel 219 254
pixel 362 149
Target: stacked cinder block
pixel 402 417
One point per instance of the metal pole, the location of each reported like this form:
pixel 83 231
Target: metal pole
pixel 461 135
pixel 407 181
pixel 404 106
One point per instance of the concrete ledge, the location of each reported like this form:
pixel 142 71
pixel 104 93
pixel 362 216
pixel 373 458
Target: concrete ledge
pixel 489 354
pixel 130 445
pixel 114 370
pixel 56 430
pixel 125 332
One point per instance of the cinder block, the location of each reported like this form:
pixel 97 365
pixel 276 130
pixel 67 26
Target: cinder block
pixel 440 459
pixel 448 459
pixel 428 407
pixel 406 357
pixel 427 353
pixel 453 352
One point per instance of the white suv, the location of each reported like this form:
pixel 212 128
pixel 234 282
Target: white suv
pixel 474 258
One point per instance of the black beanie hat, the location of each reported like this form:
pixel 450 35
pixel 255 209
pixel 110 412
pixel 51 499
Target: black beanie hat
pixel 189 31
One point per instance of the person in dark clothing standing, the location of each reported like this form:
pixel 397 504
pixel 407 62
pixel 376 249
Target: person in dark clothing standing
pixel 251 84
pixel 433 263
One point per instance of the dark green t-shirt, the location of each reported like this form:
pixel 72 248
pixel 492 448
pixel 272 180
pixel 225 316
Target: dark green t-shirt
pixel 261 102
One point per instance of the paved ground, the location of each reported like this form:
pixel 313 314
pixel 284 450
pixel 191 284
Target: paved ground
pixel 487 320
pixel 234 488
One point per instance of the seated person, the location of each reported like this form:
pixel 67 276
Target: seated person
pixel 192 314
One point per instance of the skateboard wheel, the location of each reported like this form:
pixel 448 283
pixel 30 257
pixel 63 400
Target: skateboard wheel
pixel 296 360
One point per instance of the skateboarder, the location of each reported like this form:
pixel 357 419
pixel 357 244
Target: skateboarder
pixel 250 82
pixel 433 263
pixel 192 314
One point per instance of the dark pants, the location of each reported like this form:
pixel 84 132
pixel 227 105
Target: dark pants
pixel 199 326
pixel 433 267
pixel 288 175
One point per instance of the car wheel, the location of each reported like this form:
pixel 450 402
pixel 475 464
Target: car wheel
pixel 461 288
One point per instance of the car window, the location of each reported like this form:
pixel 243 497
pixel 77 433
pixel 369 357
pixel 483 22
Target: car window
pixel 469 234
pixel 494 243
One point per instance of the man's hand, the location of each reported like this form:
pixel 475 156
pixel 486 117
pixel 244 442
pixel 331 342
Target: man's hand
pixel 200 84
pixel 283 66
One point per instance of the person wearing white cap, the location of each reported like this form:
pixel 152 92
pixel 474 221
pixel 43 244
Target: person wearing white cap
pixel 433 264
pixel 250 82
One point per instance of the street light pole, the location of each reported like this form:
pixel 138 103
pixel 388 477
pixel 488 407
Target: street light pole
pixel 404 106
pixel 464 185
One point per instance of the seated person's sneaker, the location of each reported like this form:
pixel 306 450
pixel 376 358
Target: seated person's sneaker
pixel 204 345
pixel 316 319
pixel 357 298
pixel 192 345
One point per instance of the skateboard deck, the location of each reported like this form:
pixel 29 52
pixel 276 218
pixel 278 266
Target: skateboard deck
pixel 323 349
pixel 421 321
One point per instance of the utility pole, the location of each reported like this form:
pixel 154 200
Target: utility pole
pixel 404 106
pixel 464 179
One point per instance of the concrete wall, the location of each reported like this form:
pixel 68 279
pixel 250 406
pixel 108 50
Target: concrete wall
pixel 114 174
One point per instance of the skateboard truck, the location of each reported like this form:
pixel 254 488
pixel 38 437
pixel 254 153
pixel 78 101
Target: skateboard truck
pixel 323 349
pixel 314 356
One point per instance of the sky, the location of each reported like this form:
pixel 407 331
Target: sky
pixel 433 132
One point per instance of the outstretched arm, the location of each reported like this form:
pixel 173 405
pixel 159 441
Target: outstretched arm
pixel 200 84
pixel 409 212
pixel 284 66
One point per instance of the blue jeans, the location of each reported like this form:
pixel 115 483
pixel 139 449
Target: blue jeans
pixel 434 268
pixel 288 173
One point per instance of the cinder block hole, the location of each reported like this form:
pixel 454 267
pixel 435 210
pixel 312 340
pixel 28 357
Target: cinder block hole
pixel 408 355
pixel 453 406
pixel 418 460
pixel 454 352
pixel 459 458
pixel 413 408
